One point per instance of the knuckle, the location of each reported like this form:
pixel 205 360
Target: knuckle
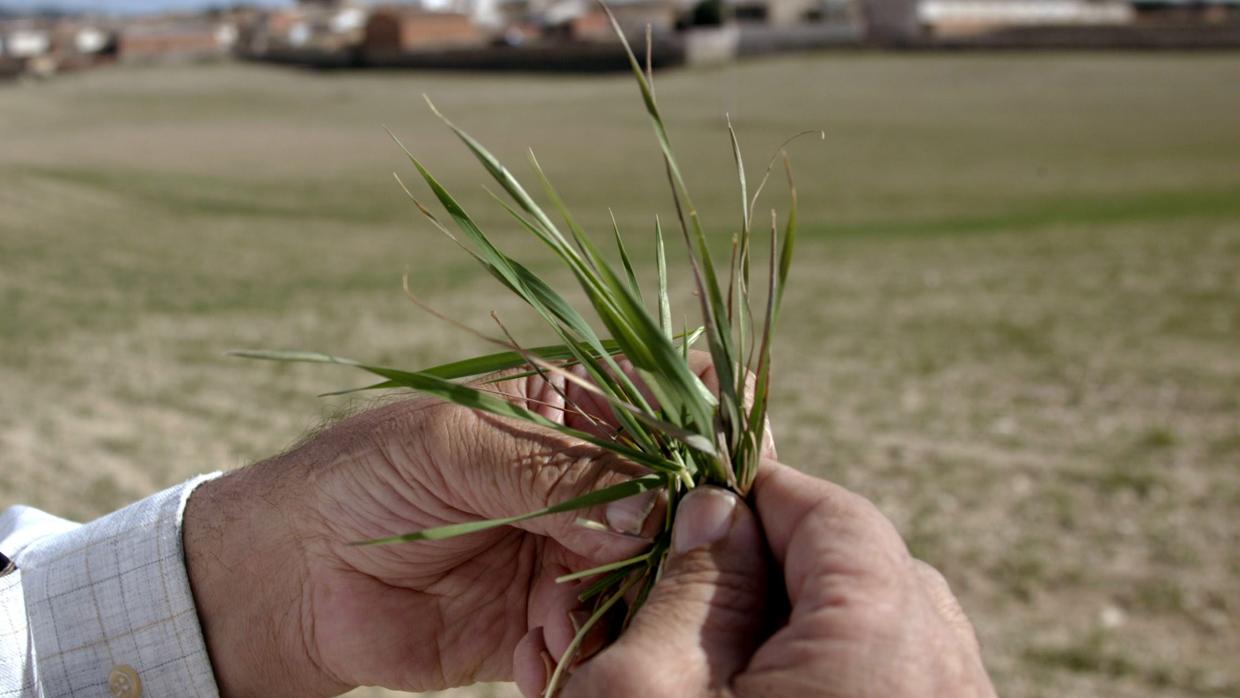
pixel 726 597
pixel 931 576
pixel 851 510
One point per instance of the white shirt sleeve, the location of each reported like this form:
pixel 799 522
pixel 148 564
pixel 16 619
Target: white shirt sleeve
pixel 101 608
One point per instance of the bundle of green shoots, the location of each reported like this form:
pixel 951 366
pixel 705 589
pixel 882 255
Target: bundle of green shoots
pixel 688 435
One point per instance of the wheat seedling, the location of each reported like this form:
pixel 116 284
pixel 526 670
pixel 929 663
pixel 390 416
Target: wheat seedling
pixel 688 435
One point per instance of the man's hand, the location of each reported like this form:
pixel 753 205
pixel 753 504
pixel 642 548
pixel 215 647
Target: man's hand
pixel 858 616
pixel 290 608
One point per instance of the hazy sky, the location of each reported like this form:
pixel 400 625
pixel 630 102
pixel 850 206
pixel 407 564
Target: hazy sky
pixel 128 6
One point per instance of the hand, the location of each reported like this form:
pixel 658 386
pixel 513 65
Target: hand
pixel 289 608
pixel 863 617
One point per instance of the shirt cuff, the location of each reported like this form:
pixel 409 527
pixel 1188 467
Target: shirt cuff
pixel 110 606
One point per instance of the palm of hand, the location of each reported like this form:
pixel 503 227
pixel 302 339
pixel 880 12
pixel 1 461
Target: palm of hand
pixel 432 614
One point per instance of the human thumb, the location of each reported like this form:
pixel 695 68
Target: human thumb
pixel 705 616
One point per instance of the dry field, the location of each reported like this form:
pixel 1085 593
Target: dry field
pixel 1015 322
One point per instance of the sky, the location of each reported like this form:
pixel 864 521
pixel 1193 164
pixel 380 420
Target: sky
pixel 127 6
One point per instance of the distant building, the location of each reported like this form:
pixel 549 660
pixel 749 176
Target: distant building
pixel 81 44
pixel 394 30
pixel 90 39
pixel 891 22
pixel 962 17
pixel 172 41
pixel 587 22
pixel 23 40
pixel 779 12
pixel 26 47
pixel 1187 11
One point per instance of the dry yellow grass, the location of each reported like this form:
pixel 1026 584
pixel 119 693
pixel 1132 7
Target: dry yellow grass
pixel 1013 322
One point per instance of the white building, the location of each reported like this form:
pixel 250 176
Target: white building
pixel 967 16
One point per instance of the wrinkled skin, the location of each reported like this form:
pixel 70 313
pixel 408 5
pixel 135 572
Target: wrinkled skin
pixel 858 616
pixel 289 608
pixel 412 616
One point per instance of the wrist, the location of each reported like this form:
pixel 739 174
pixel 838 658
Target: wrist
pixel 244 539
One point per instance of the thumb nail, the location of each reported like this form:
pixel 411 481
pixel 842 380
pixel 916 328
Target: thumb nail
pixel 629 515
pixel 703 518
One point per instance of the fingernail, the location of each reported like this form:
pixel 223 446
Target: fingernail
pixel 629 515
pixel 703 518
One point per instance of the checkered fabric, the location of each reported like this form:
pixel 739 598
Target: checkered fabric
pixel 16 664
pixel 86 602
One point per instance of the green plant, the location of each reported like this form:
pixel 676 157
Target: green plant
pixel 688 435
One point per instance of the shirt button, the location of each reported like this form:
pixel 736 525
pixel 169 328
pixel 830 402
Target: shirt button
pixel 123 682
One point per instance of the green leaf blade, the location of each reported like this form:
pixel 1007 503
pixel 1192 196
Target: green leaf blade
pixel 622 490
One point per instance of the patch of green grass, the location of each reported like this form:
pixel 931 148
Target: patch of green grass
pixel 1159 596
pixel 1092 654
pixel 1085 655
pixel 1072 210
pixel 189 194
pixel 1022 570
pixel 1155 438
pixel 1123 477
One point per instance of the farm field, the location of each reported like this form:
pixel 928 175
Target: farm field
pixel 1014 321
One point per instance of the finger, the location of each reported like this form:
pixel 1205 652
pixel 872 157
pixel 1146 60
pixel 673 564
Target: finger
pixel 509 469
pixel 818 530
pixel 555 607
pixel 548 468
pixel 704 367
pixel 541 467
pixel 530 667
pixel 593 414
pixel 628 525
pixel 550 604
pixel 703 619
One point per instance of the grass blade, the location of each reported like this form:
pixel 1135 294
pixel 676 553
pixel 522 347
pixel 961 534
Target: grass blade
pixel 471 398
pixel 381 385
pixel 603 584
pixel 607 494
pixel 313 357
pixel 508 359
pixel 601 569
pixel 778 279
pixel 665 303
pixel 563 662
pixel 503 176
pixel 624 258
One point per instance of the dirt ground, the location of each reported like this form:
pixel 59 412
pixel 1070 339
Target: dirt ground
pixel 1014 322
